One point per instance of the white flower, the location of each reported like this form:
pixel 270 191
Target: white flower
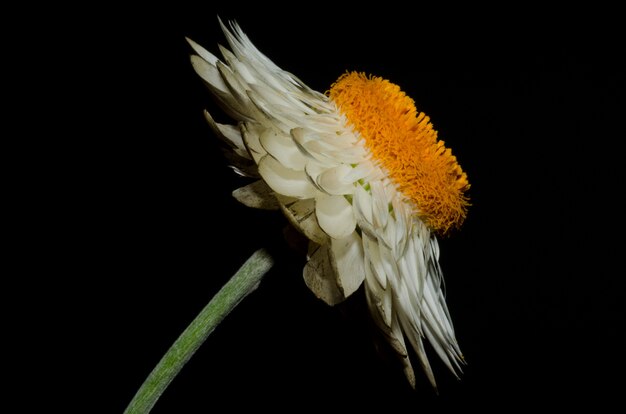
pixel 361 174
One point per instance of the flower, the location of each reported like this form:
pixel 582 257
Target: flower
pixel 361 173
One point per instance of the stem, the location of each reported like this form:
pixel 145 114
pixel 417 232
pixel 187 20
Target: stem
pixel 242 283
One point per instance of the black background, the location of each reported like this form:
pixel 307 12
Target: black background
pixel 531 107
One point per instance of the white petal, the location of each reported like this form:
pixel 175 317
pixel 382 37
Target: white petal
pixel 274 97
pixel 328 124
pixel 348 257
pixel 305 140
pixel 443 351
pixel 238 68
pixel 216 83
pixel 202 52
pixel 363 204
pixel 333 181
pixel 284 180
pixel 418 346
pixel 372 253
pixel 313 169
pixel 283 149
pixel 335 216
pixel 229 133
pixel 209 73
pixel 359 172
pixel 380 204
pixel 250 133
pixel 270 113
pixel 236 87
pixel 403 223
pixel 393 333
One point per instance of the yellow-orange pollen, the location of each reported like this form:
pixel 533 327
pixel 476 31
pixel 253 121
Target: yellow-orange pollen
pixel 405 143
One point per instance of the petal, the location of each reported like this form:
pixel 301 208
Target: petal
pixel 250 132
pixel 209 73
pixel 283 149
pixel 361 171
pixel 257 195
pixel 348 259
pixel 274 97
pixel 237 88
pixel 271 114
pixel 335 216
pixel 372 254
pixel 229 134
pixel 332 180
pixel 305 140
pixel 393 333
pixel 380 205
pixel 245 167
pixel 202 52
pixel 284 180
pixel 238 67
pixel 320 277
pixel 418 346
pixel 301 214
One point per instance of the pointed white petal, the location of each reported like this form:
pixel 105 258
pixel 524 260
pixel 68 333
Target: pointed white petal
pixel 238 68
pixel 372 252
pixel 403 224
pixel 228 133
pixel 392 332
pixel 209 73
pixel 284 180
pixel 250 134
pixel 202 52
pixel 335 216
pixel 418 346
pixel 380 204
pixel 236 87
pixel 216 84
pixel 269 114
pixel 274 97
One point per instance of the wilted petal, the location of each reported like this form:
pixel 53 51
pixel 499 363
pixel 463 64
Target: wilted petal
pixel 257 195
pixel 301 213
pixel 320 277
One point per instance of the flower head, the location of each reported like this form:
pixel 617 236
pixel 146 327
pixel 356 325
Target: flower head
pixel 360 172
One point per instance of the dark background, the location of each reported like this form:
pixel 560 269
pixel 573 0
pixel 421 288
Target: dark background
pixel 532 108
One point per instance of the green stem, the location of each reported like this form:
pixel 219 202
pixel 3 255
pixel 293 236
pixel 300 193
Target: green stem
pixel 245 281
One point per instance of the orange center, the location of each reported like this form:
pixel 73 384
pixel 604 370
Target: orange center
pixel 405 143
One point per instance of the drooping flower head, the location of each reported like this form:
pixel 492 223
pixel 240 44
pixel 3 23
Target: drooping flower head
pixel 361 173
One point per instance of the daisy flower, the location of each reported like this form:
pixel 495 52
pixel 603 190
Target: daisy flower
pixel 359 172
